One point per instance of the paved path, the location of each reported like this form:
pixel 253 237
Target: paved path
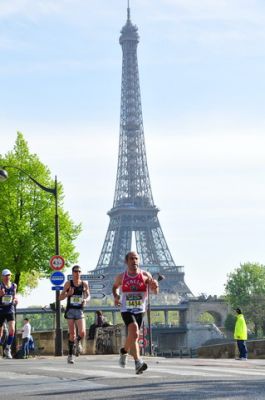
pixel 100 378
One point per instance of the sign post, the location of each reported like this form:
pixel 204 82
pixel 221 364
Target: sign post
pixel 57 279
pixel 57 263
pixel 95 286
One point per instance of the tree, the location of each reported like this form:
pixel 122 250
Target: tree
pixel 27 219
pixel 245 289
pixel 230 323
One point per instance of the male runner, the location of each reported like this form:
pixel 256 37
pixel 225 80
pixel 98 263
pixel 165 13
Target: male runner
pixel 134 288
pixel 8 301
pixel 77 293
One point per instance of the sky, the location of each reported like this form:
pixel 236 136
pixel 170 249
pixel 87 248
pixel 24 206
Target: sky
pixel 201 66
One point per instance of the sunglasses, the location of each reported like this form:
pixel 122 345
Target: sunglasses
pixel 77 270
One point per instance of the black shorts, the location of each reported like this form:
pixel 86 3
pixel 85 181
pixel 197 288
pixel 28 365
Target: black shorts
pixel 6 317
pixel 129 318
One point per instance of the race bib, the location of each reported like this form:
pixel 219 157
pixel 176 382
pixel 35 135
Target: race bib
pixel 76 300
pixel 7 299
pixel 134 301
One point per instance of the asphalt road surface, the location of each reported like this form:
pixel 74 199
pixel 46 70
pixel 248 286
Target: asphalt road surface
pixel 101 378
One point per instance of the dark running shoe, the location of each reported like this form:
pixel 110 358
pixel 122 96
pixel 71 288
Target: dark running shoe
pixel 140 367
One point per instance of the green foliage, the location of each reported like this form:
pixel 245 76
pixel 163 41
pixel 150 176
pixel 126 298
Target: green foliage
pixel 173 317
pixel 27 219
pixel 157 317
pixel 230 322
pixel 39 322
pixel 245 289
pixel 206 318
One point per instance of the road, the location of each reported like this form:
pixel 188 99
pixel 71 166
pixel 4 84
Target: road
pixel 101 378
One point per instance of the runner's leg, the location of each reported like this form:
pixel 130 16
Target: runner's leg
pixel 131 343
pixel 71 342
pixel 81 332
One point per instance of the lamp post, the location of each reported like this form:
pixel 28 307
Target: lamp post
pixel 54 191
pixel 150 336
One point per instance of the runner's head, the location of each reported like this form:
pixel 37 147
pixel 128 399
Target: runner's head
pixel 132 260
pixel 6 275
pixel 76 270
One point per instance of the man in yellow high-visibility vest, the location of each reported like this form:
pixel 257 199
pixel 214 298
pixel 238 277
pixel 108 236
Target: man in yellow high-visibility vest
pixel 241 335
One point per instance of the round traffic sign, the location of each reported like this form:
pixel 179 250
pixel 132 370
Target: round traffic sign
pixel 57 278
pixel 57 263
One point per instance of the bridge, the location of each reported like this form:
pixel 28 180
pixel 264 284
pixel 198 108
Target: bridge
pixel 189 310
pixel 187 333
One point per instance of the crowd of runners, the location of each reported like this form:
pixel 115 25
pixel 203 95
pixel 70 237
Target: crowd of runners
pixel 130 292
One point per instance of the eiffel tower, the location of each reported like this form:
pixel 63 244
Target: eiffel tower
pixel 133 217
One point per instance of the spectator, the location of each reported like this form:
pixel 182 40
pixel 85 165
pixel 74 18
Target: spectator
pixel 240 335
pixel 100 322
pixel 99 319
pixel 26 336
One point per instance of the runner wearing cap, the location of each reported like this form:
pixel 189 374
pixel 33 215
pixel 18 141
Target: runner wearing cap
pixel 8 302
pixel 77 293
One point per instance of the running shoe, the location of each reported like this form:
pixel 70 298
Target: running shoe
pixel 140 367
pixel 7 353
pixel 70 359
pixel 123 359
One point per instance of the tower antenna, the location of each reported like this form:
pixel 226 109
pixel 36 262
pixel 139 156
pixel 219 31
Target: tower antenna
pixel 128 10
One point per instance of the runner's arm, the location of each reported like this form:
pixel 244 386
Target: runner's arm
pixel 153 283
pixel 64 293
pixel 15 301
pixel 86 292
pixel 115 290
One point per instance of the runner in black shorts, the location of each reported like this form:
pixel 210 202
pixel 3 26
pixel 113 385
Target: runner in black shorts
pixel 8 301
pixel 134 285
pixel 77 293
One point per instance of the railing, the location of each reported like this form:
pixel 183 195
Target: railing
pixel 39 322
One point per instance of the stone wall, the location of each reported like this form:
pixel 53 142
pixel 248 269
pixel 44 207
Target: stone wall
pixel 107 341
pixel 256 349
pixel 197 334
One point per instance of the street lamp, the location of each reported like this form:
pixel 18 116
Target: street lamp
pixel 150 338
pixel 54 191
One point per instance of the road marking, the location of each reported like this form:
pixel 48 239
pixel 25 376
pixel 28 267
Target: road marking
pixel 17 383
pixel 104 373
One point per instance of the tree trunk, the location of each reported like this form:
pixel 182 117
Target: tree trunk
pixel 17 280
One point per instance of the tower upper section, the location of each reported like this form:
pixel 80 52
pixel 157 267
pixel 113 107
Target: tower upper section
pixel 133 187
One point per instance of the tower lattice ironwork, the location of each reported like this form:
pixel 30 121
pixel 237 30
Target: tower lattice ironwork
pixel 133 217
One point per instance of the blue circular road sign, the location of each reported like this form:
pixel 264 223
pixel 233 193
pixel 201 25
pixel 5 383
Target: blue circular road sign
pixel 57 278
